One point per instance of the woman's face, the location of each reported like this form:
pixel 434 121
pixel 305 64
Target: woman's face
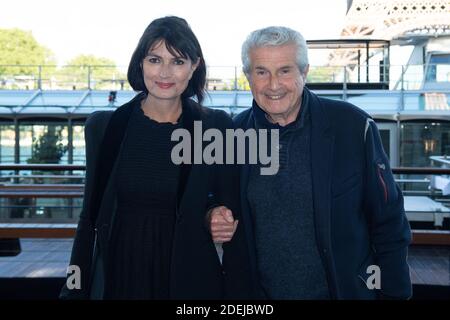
pixel 166 76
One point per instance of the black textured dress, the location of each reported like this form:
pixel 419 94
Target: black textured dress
pixel 147 181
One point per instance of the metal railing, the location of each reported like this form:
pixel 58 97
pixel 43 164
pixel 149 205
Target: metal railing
pixel 28 194
pixel 45 193
pixel 34 210
pixel 51 77
pixel 101 77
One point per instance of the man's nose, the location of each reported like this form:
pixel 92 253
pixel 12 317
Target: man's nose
pixel 274 83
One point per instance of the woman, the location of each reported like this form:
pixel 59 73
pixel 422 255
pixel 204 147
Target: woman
pixel 142 232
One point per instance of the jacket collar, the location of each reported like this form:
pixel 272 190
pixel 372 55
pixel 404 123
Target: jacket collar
pixel 262 122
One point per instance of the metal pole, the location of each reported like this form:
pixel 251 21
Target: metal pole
pixel 367 62
pixel 17 141
pixel 387 63
pixel 402 91
pixel 40 78
pixel 70 140
pixel 16 160
pixel 399 141
pixel 16 147
pixel 70 160
pixel 359 66
pixel 235 79
pixel 344 85
pixel 89 77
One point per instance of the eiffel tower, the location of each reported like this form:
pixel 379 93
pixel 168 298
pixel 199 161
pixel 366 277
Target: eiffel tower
pixel 400 21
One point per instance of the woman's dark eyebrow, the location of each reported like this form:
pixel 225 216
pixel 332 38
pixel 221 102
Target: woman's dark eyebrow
pixel 156 56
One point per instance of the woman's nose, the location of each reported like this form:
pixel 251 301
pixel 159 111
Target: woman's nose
pixel 165 71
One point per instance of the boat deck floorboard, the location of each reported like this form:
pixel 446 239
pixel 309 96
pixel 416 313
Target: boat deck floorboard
pixel 429 265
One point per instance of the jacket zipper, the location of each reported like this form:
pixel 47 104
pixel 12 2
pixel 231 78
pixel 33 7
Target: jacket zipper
pixel 95 242
pixel 381 166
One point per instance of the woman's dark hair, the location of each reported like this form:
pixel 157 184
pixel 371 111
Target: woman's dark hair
pixel 180 41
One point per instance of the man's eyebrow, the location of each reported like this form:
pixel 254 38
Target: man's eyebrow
pixel 280 68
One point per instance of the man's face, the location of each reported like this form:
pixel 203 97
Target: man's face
pixel 276 82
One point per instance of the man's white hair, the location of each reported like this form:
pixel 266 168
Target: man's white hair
pixel 274 36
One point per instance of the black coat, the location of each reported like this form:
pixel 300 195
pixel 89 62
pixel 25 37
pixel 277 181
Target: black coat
pixel 196 271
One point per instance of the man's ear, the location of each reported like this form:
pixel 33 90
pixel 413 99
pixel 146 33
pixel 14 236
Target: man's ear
pixel 305 72
pixel 248 77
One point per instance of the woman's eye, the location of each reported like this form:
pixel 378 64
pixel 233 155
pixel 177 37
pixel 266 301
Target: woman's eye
pixel 179 62
pixel 153 60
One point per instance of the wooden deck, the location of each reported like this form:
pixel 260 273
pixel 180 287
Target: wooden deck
pixel 50 257
pixel 39 258
pixel 430 265
pixel 37 230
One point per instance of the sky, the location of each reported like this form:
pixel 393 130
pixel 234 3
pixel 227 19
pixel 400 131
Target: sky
pixel 112 28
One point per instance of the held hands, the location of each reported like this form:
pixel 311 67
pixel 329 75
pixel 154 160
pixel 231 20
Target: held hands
pixel 222 224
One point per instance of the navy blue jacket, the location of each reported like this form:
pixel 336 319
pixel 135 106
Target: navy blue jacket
pixel 358 208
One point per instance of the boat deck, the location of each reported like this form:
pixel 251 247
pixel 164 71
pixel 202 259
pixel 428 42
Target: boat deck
pixel 429 265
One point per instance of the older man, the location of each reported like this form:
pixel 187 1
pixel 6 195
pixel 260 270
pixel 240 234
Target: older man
pixel 330 224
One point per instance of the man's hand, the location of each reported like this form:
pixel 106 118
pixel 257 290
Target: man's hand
pixel 222 224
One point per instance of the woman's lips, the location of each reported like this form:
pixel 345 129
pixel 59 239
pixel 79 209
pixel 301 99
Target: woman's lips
pixel 164 85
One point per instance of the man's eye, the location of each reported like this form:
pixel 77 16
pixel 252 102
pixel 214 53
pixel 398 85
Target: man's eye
pixel 260 72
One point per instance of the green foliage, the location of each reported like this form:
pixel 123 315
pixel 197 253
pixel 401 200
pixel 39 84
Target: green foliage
pixel 48 148
pixel 324 74
pixel 102 71
pixel 89 59
pixel 242 83
pixel 18 47
pixel 22 54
